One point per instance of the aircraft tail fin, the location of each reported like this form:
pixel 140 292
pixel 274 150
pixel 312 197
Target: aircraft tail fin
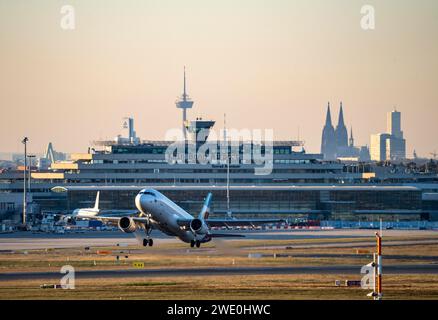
pixel 96 204
pixel 205 211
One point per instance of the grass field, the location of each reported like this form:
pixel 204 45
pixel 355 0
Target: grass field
pixel 217 254
pixel 225 287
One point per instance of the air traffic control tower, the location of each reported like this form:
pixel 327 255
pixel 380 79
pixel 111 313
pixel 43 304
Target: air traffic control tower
pixel 199 130
pixel 184 103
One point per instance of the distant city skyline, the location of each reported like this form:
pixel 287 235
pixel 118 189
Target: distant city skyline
pixel 265 64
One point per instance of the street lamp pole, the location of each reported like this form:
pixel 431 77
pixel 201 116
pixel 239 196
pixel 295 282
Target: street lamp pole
pixel 29 185
pixel 31 156
pixel 24 141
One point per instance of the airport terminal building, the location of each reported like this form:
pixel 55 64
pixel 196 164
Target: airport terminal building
pixel 300 185
pixel 314 202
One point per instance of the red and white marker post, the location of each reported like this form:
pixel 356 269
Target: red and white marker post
pixel 372 278
pixel 378 295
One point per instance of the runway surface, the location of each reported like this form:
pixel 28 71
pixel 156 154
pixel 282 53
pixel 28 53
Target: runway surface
pixel 28 240
pixel 356 244
pixel 338 269
pixel 433 259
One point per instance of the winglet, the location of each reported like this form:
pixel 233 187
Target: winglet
pixel 96 204
pixel 203 215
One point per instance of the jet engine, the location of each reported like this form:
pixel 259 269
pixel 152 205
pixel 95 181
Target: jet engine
pixel 127 225
pixel 197 226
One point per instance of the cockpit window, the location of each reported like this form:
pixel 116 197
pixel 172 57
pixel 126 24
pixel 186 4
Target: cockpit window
pixel 148 193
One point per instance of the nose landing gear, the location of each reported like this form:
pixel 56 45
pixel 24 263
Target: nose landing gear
pixel 148 242
pixel 196 243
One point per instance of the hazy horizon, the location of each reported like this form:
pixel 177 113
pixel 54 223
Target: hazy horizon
pixel 266 64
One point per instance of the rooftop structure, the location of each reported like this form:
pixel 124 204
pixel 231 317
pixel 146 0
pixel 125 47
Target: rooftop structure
pixel 128 136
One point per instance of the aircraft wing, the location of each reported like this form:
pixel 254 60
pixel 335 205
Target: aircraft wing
pixel 241 222
pixel 118 213
pixel 232 222
pixel 114 219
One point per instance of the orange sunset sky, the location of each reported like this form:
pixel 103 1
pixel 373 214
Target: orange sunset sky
pixel 266 64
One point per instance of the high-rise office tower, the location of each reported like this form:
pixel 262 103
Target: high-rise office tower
pixel 394 124
pixel 390 145
pixel 396 145
pixel 378 149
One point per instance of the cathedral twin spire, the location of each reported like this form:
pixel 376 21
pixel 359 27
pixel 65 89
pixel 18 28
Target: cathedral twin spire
pixel 341 131
pixel 341 117
pixel 328 118
pixel 328 142
pixel 333 139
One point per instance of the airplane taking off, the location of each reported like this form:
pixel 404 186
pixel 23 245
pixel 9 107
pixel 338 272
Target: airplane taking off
pixel 156 211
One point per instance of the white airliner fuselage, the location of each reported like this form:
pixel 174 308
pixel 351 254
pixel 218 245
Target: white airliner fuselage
pixel 165 214
pixel 87 212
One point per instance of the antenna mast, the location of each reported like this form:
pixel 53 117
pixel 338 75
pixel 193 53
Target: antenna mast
pixel 184 103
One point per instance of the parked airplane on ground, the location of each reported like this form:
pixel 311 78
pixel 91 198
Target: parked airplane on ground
pixel 83 213
pixel 86 212
pixel 156 211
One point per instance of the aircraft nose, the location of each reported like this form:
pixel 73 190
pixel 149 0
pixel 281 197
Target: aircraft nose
pixel 142 201
pixel 138 202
